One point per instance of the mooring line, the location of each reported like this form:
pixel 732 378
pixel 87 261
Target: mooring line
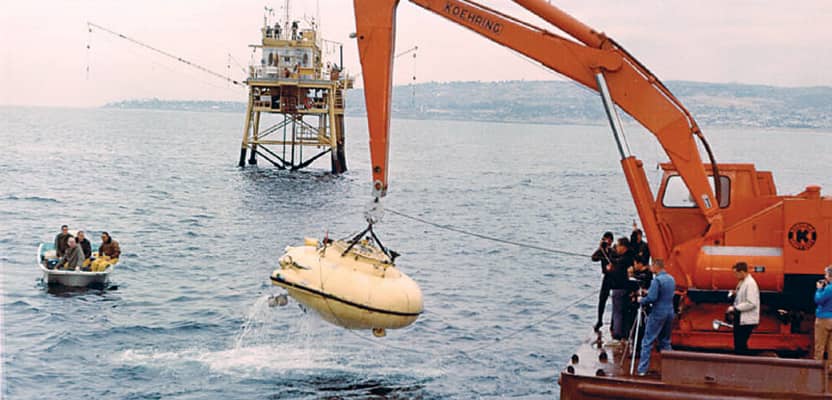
pixel 486 237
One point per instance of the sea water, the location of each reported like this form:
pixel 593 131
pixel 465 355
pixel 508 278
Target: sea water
pixel 187 314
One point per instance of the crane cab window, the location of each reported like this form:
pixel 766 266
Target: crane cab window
pixel 677 195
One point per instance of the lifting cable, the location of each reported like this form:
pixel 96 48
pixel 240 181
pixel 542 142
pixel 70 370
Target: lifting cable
pixel 486 237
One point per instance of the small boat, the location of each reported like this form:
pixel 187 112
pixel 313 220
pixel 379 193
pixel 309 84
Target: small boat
pixel 47 256
pixel 352 285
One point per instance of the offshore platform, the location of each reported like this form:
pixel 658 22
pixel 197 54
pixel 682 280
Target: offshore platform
pixel 295 99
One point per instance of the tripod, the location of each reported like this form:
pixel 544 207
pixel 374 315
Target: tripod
pixel 632 345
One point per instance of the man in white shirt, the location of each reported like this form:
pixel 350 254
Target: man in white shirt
pixel 746 308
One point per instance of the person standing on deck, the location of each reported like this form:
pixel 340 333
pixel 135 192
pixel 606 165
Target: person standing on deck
pixel 823 315
pixel 641 252
pixel 660 321
pixel 603 255
pixel 621 261
pixel 746 308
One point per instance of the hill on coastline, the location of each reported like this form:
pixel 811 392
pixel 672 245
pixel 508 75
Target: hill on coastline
pixel 559 102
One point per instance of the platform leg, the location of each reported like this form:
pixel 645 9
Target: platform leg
pixel 246 128
pixel 242 157
pixel 256 136
pixel 341 148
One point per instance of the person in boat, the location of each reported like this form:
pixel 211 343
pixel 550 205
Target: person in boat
pixel 641 252
pixel 603 255
pixel 746 308
pixel 823 315
pixel 620 261
pixel 660 321
pixel 108 247
pixel 73 258
pixel 60 241
pixel 82 241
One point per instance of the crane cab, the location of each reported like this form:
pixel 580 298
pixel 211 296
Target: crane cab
pixel 786 241
pixel 743 191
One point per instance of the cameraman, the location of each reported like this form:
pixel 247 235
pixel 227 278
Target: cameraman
pixel 823 315
pixel 604 255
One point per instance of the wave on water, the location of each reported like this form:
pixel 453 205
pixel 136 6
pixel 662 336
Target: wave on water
pixel 12 197
pixel 239 361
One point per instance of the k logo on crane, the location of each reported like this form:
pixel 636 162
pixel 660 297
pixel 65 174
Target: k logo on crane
pixel 803 236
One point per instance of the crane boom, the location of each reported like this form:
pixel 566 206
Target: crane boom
pixel 591 59
pixel 91 25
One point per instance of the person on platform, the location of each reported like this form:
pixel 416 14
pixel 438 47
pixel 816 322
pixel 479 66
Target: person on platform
pixel 660 321
pixel 603 255
pixel 82 241
pixel 73 258
pixel 108 247
pixel 620 262
pixel 60 241
pixel 746 308
pixel 823 315
pixel 641 252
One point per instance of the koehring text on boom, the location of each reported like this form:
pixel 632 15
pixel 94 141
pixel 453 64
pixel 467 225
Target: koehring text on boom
pixel 473 18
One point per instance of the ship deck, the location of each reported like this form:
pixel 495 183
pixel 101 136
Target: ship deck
pixel 598 370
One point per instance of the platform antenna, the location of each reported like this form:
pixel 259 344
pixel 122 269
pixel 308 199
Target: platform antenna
pixel 286 16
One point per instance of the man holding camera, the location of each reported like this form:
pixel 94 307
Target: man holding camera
pixel 746 308
pixel 604 255
pixel 823 315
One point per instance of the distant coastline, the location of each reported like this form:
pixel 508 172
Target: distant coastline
pixel 559 102
pixel 178 105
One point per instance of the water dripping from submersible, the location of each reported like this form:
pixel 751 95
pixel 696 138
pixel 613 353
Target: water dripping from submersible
pixel 252 327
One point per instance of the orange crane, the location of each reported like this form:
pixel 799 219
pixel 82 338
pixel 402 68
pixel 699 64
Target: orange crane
pixel 697 225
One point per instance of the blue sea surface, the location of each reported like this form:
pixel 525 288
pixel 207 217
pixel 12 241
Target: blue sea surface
pixel 187 317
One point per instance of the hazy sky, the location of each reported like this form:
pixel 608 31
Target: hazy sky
pixel 43 56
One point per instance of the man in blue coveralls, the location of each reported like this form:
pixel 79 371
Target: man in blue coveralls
pixel 660 320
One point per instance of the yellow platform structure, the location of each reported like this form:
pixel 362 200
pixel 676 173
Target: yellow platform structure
pixel 295 100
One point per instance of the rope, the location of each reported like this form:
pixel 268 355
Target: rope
pixel 485 237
